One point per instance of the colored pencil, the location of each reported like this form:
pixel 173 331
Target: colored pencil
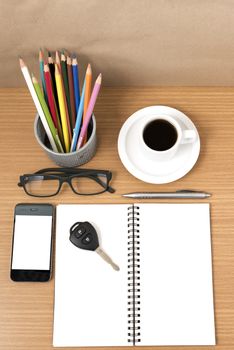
pixel 89 112
pixel 58 62
pixel 88 79
pixel 47 113
pixel 65 84
pixel 62 108
pixel 51 101
pixel 71 91
pixel 41 63
pixel 36 101
pixel 75 73
pixel 52 72
pixel 78 120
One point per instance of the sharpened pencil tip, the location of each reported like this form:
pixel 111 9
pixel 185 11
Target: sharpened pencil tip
pixel 46 67
pixel 74 61
pixel 34 79
pixel 22 64
pixel 57 57
pixel 50 59
pixel 63 57
pixel 89 69
pixel 69 60
pixel 40 55
pixel 99 79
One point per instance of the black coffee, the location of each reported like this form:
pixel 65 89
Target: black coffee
pixel 160 135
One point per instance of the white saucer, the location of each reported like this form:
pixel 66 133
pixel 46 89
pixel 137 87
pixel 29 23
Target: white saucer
pixel 156 172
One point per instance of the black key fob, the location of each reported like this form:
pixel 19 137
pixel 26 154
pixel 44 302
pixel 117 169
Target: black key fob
pixel 83 235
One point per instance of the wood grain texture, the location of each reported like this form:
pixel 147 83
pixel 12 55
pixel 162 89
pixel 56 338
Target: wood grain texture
pixel 26 310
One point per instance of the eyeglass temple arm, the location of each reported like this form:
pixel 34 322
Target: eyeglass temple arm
pixel 26 181
pixel 68 170
pixel 109 188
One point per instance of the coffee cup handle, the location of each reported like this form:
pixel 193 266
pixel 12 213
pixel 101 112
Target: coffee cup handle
pixel 188 136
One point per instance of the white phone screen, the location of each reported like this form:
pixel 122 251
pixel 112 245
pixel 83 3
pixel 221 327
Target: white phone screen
pixel 32 242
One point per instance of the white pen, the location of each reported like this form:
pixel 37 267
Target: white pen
pixel 177 194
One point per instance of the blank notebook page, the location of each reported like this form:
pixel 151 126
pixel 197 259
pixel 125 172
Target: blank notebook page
pixel 90 297
pixel 176 275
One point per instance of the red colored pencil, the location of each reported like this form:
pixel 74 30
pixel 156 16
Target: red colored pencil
pixel 51 101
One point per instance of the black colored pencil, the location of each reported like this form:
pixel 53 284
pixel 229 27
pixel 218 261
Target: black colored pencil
pixel 66 85
pixel 52 73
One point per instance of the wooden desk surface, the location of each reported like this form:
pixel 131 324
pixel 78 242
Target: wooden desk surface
pixel 26 310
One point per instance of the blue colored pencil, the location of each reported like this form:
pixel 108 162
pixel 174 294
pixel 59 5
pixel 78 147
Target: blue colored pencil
pixel 76 82
pixel 76 130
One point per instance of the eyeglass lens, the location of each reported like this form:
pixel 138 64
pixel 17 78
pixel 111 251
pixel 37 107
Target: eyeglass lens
pixel 41 186
pixel 89 184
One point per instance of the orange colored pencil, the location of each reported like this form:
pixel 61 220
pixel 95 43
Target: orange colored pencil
pixel 88 82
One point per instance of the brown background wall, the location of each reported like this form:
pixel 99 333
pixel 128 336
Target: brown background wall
pixel 132 42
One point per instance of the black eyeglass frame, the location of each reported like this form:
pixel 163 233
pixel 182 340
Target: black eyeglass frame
pixel 65 175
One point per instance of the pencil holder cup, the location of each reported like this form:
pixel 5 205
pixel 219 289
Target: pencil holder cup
pixel 72 159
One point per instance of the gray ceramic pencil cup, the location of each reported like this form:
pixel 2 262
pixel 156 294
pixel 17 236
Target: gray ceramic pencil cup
pixel 73 159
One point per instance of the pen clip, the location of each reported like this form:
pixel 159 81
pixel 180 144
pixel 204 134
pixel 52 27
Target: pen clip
pixel 187 191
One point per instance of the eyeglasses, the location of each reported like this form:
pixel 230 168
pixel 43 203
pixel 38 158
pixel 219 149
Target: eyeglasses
pixel 48 182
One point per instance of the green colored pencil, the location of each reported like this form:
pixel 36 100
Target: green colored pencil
pixel 41 61
pixel 46 111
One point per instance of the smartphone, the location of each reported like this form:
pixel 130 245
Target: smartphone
pixel 31 256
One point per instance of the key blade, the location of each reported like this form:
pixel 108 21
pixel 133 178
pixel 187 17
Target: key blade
pixel 115 267
pixel 107 258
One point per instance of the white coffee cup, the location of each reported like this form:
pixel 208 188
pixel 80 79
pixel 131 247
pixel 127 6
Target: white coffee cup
pixel 162 135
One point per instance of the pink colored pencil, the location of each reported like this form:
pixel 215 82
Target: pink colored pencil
pixel 89 112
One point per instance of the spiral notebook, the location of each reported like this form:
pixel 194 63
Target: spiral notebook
pixel 162 294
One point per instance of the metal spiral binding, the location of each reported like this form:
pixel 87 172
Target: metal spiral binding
pixel 134 328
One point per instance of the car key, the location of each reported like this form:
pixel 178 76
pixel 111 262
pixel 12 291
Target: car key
pixel 83 235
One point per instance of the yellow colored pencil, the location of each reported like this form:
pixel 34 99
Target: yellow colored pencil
pixel 58 62
pixel 62 108
pixel 88 81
